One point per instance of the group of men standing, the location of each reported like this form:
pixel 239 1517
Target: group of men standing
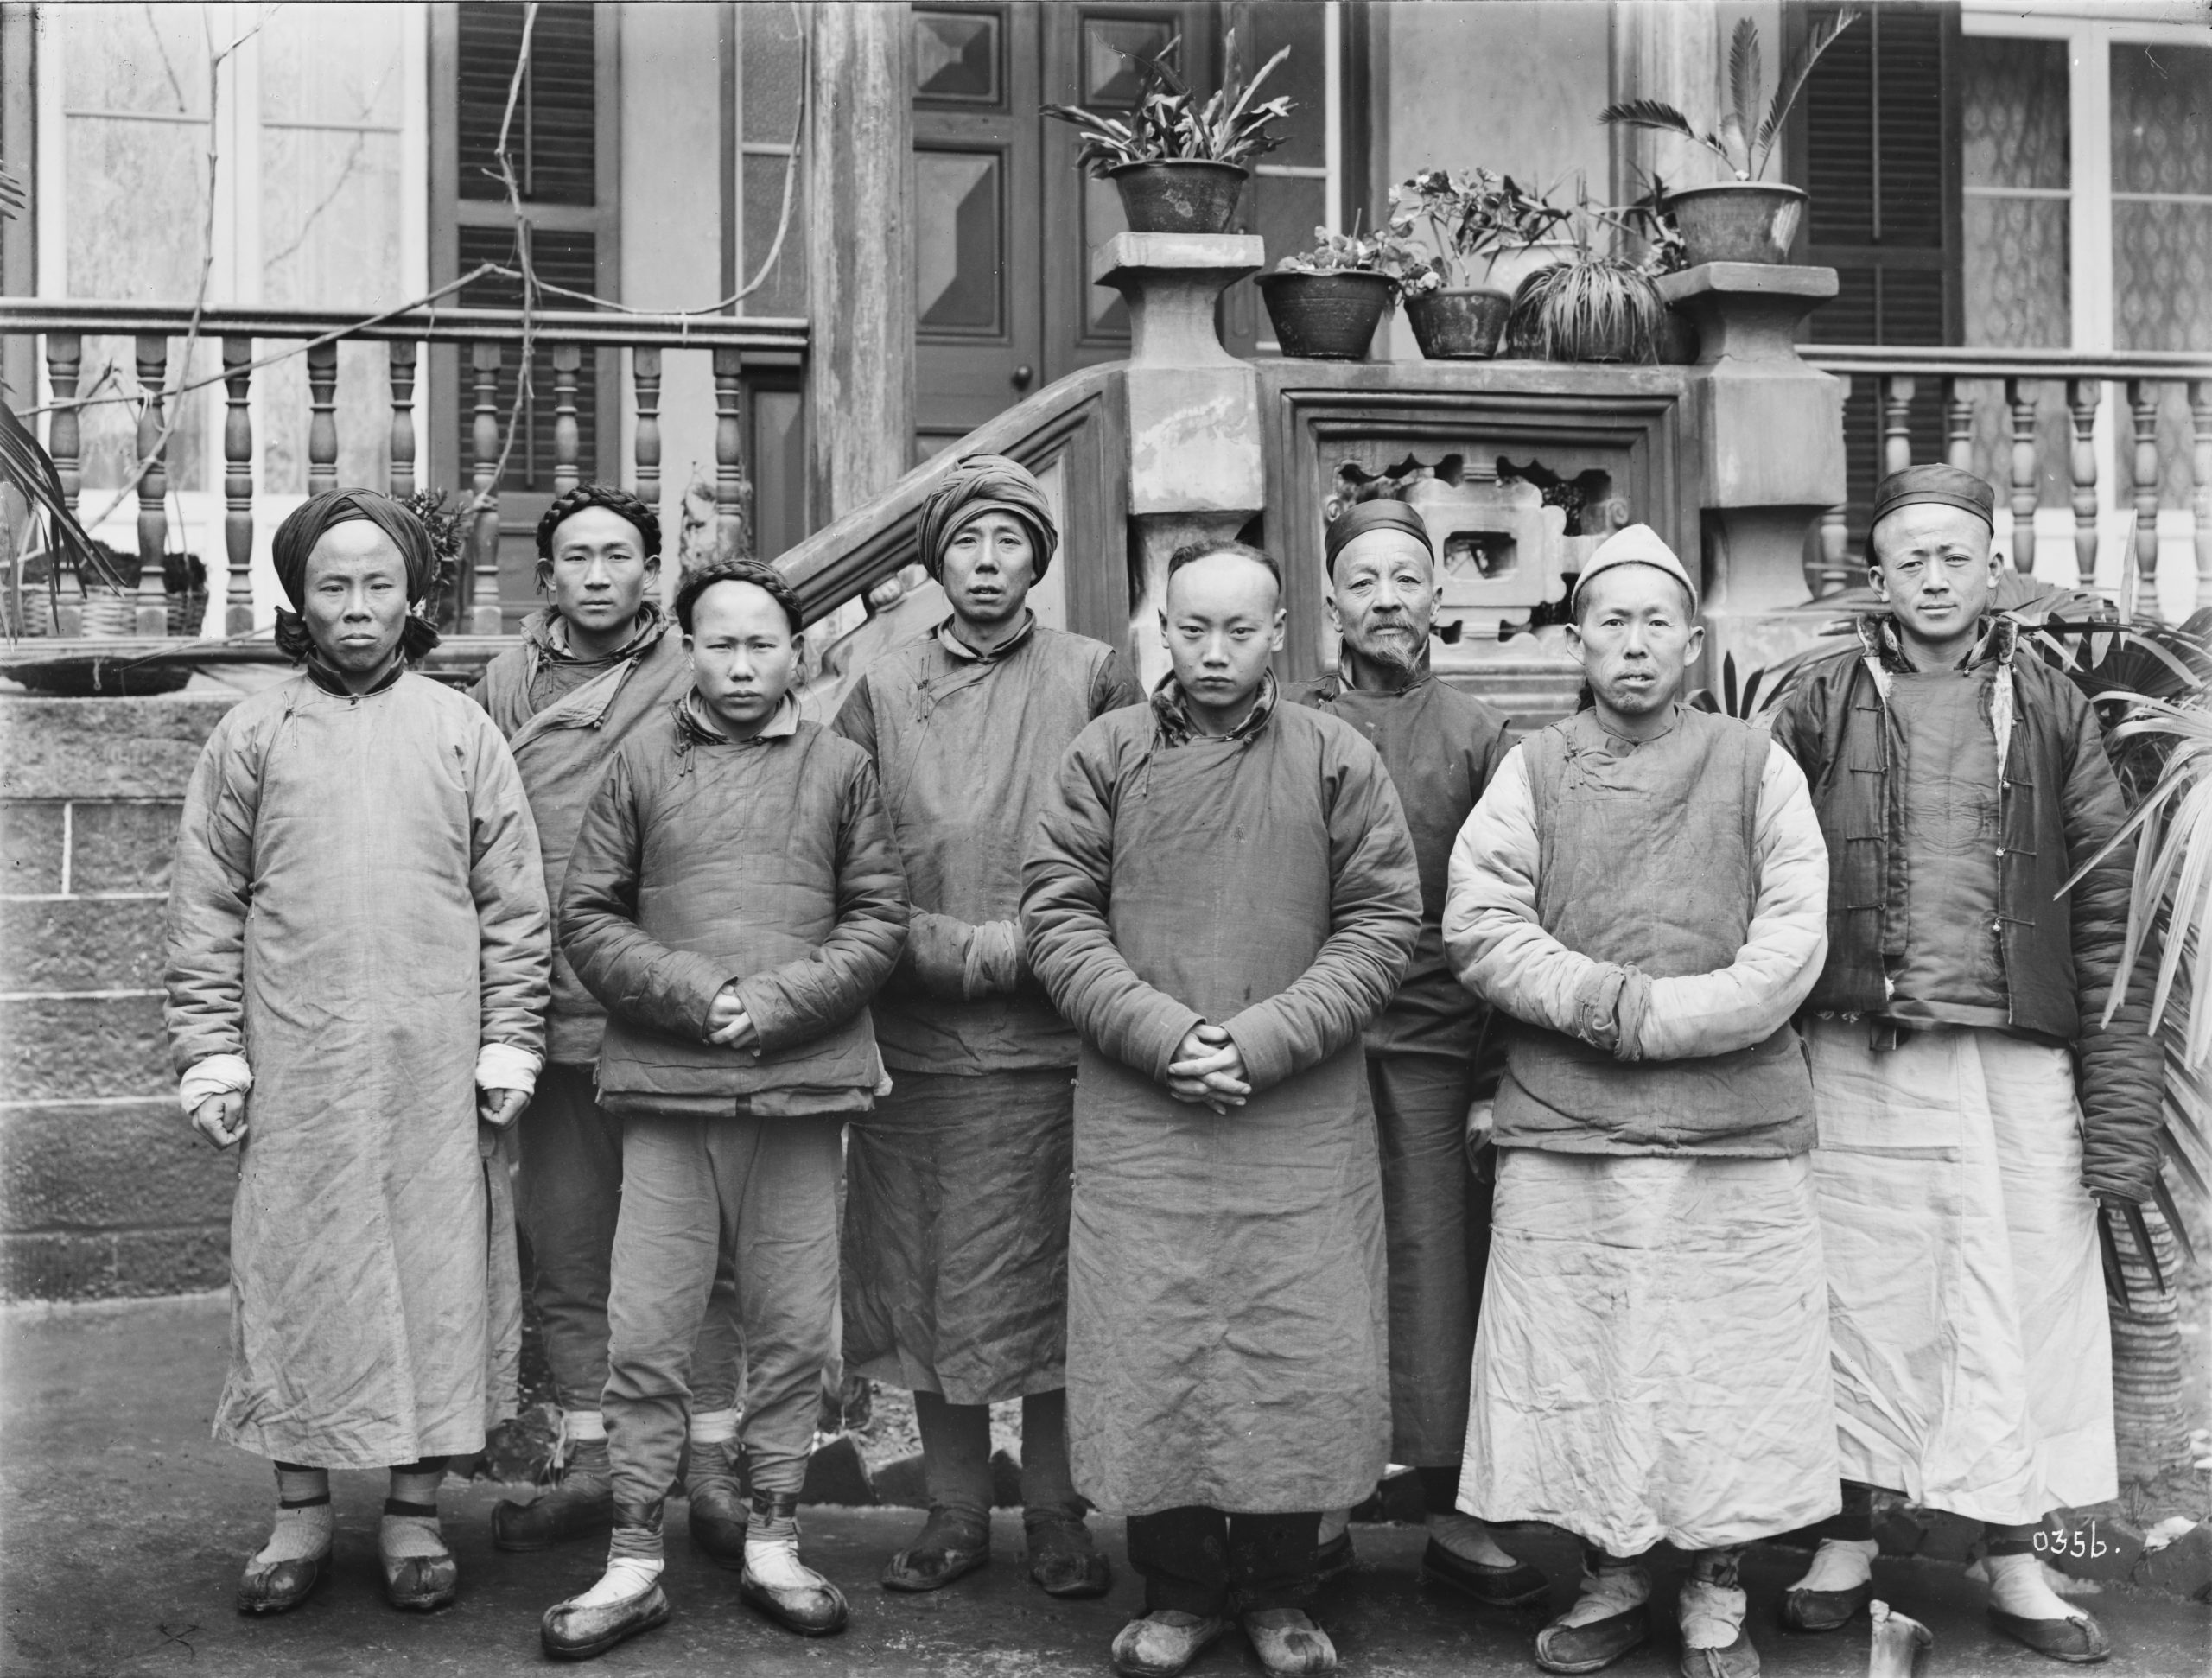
pixel 1145 1035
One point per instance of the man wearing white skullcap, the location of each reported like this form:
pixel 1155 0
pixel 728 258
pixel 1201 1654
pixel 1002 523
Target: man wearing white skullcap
pixel 1641 889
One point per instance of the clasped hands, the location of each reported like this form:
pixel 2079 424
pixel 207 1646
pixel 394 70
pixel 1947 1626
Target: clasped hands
pixel 728 1024
pixel 1209 1070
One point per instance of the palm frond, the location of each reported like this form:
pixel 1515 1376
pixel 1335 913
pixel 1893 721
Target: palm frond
pixel 1794 76
pixel 1652 113
pixel 1743 68
pixel 31 470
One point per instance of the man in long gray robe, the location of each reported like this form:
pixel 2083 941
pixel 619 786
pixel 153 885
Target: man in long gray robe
pixel 358 946
pixel 1221 896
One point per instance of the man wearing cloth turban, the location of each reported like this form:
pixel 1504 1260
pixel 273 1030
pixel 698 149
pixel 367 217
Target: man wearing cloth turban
pixel 1641 889
pixel 357 954
pixel 956 1214
pixel 1976 1101
pixel 1441 747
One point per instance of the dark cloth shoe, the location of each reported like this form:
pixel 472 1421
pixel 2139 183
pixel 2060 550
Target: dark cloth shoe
pixel 1738 1659
pixel 1162 1644
pixel 1063 1560
pixel 1574 1648
pixel 2077 1640
pixel 951 1544
pixel 807 1603
pixel 571 1633
pixel 1497 1587
pixel 1333 1559
pixel 580 1504
pixel 1289 1644
pixel 718 1515
pixel 1824 1611
pixel 281 1586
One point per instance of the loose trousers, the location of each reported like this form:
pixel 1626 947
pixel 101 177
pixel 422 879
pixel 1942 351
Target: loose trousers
pixel 1436 1232
pixel 1200 1561
pixel 765 1189
pixel 568 1193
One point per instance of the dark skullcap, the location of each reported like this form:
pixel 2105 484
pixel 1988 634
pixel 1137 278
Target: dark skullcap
pixel 982 484
pixel 1938 486
pixel 297 536
pixel 1361 517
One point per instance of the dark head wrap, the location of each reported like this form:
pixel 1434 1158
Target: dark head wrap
pixel 297 536
pixel 1362 517
pixel 1940 486
pixel 982 484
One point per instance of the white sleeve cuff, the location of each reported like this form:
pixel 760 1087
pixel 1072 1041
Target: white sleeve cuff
pixel 503 1066
pixel 213 1075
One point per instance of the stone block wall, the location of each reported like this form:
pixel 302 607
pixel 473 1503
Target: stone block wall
pixel 104 1191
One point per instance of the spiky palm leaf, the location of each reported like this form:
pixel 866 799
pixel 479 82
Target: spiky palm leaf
pixel 1794 74
pixel 1746 150
pixel 31 470
pixel 1658 114
pixel 1743 68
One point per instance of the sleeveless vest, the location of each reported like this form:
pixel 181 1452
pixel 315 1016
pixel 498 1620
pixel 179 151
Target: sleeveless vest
pixel 1647 860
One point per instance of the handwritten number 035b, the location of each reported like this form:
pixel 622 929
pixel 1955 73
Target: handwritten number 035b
pixel 2076 1543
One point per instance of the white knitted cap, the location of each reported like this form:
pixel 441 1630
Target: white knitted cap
pixel 1638 544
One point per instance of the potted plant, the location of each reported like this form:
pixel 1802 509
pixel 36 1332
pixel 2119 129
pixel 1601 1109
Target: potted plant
pixel 1747 218
pixel 1178 164
pixel 1594 306
pixel 1480 218
pixel 1327 302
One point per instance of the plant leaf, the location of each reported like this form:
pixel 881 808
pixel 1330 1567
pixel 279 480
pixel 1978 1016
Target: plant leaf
pixel 1649 113
pixel 31 470
pixel 1794 75
pixel 1744 69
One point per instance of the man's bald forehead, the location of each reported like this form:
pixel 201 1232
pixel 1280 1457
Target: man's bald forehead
pixel 1231 566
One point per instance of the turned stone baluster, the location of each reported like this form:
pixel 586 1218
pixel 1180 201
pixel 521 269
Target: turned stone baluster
pixel 566 358
pixel 2020 396
pixel 1897 422
pixel 483 442
pixel 645 375
pixel 2199 414
pixel 153 617
pixel 2143 397
pixel 402 364
pixel 322 417
pixel 730 467
pixel 238 484
pixel 2082 396
pixel 1958 424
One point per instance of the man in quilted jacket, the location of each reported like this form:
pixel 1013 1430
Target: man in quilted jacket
pixel 1977 1097
pixel 734 898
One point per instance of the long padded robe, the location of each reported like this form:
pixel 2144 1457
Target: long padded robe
pixel 358 906
pixel 1226 1310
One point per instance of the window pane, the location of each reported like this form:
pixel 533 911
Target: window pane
pixel 2161 119
pixel 2014 114
pixel 957 57
pixel 784 291
pixel 778 469
pixel 333 64
pixel 1302 77
pixel 2162 274
pixel 769 85
pixel 2015 273
pixel 956 253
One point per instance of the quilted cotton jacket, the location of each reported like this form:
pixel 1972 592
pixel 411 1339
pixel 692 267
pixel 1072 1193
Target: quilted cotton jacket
pixel 2059 805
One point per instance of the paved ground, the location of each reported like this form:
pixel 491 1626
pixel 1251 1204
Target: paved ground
pixel 125 1527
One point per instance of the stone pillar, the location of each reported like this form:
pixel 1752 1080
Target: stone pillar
pixel 1196 471
pixel 1769 450
pixel 859 156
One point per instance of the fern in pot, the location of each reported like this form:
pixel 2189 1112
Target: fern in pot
pixel 1745 218
pixel 1178 162
pixel 1484 228
pixel 1324 303
pixel 1591 307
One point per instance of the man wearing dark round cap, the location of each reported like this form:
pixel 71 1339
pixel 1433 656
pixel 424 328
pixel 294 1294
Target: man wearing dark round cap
pixel 1976 1103
pixel 1441 747
pixel 358 953
pixel 957 1215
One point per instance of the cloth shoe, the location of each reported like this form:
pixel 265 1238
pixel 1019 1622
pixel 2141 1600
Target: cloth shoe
pixel 580 1502
pixel 1162 1644
pixel 419 1571
pixel 952 1543
pixel 2024 1608
pixel 295 1560
pixel 1504 1584
pixel 718 1517
pixel 1288 1643
pixel 787 1590
pixel 1835 1589
pixel 628 1599
pixel 1714 1643
pixel 1064 1562
pixel 1608 1618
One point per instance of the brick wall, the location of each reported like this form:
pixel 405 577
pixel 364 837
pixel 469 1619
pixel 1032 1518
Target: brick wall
pixel 103 1191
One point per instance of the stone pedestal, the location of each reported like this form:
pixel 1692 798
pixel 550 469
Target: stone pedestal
pixel 1770 450
pixel 1197 472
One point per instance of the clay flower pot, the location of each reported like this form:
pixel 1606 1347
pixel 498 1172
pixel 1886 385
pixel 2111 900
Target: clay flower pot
pixel 1179 195
pixel 1327 317
pixel 1736 220
pixel 1459 325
